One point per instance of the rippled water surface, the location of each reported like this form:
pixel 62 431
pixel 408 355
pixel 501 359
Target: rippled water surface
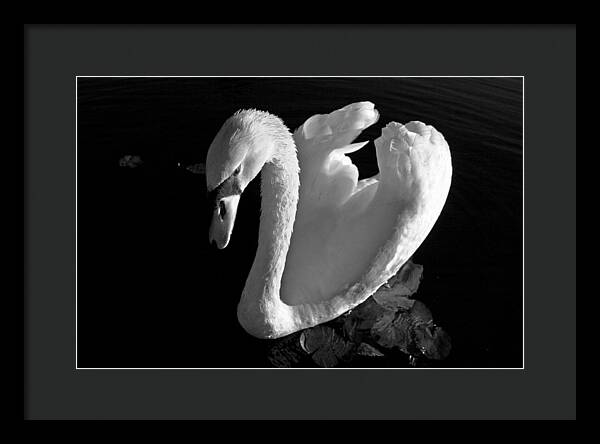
pixel 153 293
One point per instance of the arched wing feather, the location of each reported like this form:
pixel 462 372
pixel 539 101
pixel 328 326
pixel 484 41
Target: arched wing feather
pixel 327 175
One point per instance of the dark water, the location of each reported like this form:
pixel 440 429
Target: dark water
pixel 153 293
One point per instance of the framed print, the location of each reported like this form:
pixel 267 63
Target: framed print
pixel 225 220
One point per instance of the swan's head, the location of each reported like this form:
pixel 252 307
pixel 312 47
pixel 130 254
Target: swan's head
pixel 235 157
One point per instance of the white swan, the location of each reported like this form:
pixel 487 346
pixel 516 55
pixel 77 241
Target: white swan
pixel 326 240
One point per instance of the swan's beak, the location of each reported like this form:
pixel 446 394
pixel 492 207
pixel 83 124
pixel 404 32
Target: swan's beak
pixel 223 219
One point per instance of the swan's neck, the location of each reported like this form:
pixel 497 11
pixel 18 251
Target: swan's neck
pixel 280 184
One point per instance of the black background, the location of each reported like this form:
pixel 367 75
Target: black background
pixel 153 293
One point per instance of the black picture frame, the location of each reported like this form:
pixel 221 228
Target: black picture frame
pixel 54 55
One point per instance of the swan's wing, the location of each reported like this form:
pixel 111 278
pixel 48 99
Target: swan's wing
pixel 327 175
pixel 349 236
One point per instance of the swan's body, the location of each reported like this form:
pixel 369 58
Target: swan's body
pixel 326 240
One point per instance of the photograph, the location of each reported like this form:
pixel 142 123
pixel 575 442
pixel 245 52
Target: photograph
pixel 299 222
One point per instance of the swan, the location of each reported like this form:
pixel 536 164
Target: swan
pixel 326 240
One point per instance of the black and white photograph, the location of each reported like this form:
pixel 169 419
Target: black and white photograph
pixel 300 222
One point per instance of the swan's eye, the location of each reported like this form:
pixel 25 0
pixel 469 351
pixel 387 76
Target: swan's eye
pixel 237 170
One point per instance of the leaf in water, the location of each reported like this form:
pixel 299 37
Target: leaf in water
pixel 432 341
pixel 326 347
pixel 197 168
pixel 130 161
pixel 383 330
pixel 412 332
pixel 393 330
pixel 394 294
pixel 403 325
pixel 285 352
pixel 368 313
pixel 325 358
pixel 420 314
pixel 365 349
pixel 349 327
pixel 390 300
pixel 407 280
pixel 312 339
